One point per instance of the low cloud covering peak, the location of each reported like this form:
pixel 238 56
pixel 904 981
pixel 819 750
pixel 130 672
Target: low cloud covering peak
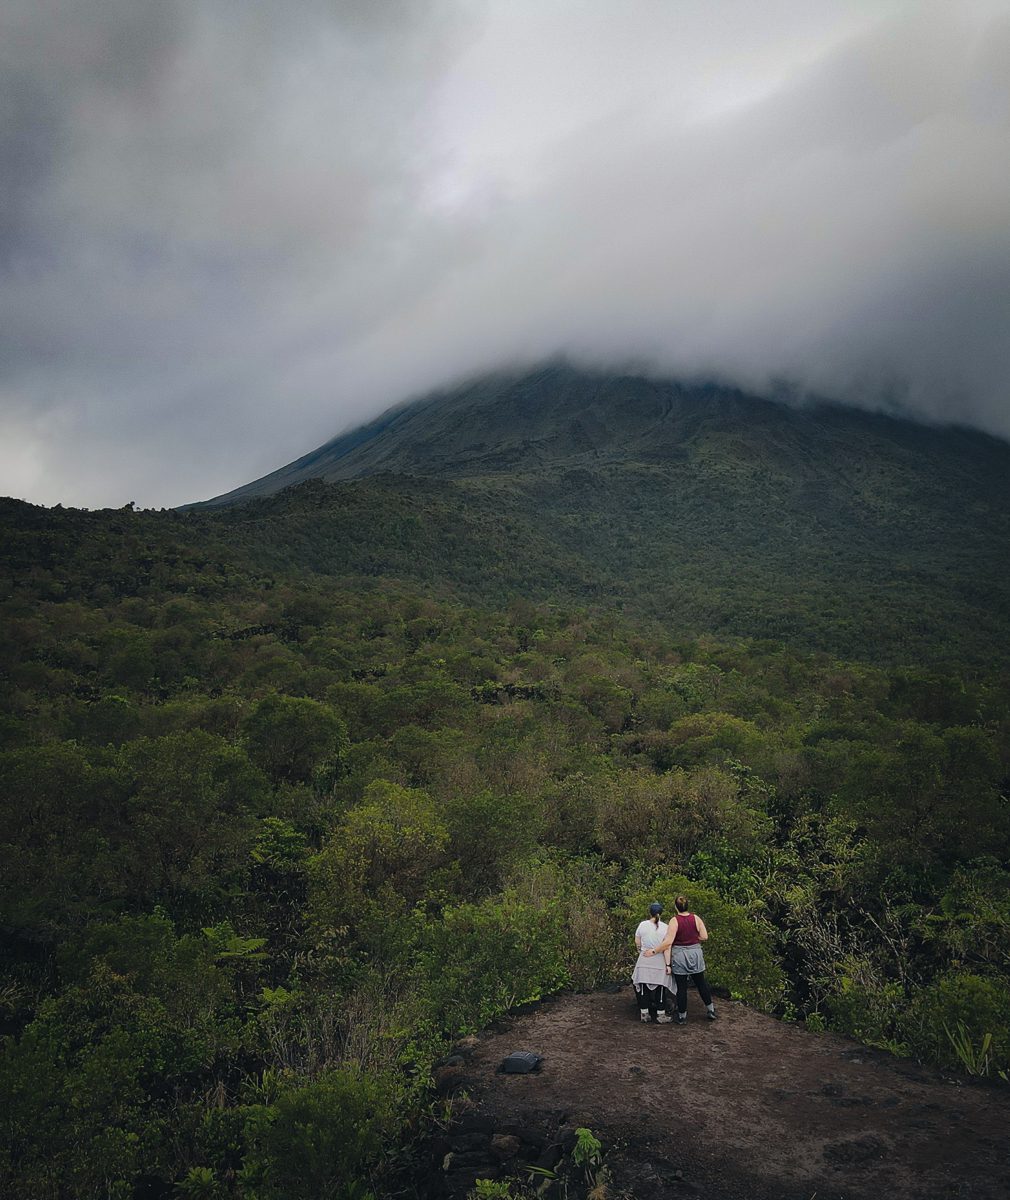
pixel 228 233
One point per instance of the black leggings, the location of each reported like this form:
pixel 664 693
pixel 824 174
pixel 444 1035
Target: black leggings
pixel 700 982
pixel 651 997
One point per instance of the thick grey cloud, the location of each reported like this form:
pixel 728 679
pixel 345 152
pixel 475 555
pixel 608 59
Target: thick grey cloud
pixel 228 231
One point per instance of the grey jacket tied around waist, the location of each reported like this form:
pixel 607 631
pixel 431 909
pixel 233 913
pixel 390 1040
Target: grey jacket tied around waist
pixel 687 960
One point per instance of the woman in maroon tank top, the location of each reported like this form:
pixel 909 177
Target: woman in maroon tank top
pixel 687 960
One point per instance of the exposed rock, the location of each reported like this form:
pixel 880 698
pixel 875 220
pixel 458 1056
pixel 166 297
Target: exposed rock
pixel 525 1133
pixel 549 1157
pixel 462 1142
pixel 505 1145
pixel 475 1122
pixel 447 1078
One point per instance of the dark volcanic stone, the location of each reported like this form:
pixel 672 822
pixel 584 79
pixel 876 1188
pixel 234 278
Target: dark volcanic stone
pixel 525 1133
pixel 478 1161
pixel 448 1077
pixel 474 1122
pixel 505 1145
pixel 463 1142
pixel 549 1157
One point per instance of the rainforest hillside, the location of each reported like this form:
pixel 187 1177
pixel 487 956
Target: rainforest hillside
pixel 719 512
pixel 297 790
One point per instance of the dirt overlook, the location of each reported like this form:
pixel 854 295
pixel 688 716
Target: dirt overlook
pixel 743 1108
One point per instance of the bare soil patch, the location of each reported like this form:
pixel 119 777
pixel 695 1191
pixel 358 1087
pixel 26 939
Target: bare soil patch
pixel 743 1107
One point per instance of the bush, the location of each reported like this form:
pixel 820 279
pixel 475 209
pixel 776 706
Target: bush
pixel 594 943
pixel 656 818
pixel 318 1141
pixel 76 1091
pixel 376 864
pixel 479 960
pixel 974 1003
pixel 866 1005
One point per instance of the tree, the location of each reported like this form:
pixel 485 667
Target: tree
pixel 377 863
pixel 290 737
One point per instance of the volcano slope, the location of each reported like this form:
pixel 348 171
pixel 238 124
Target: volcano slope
pixel 698 506
pixel 746 1108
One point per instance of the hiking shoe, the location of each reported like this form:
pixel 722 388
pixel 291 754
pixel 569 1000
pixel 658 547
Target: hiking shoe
pixel 710 1013
pixel 681 1019
pixel 664 1019
pixel 645 1017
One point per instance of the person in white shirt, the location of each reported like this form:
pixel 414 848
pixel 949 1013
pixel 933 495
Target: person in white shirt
pixel 651 976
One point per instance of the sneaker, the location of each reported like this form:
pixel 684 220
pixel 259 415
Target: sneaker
pixel 644 1015
pixel 681 1018
pixel 710 1013
pixel 664 1019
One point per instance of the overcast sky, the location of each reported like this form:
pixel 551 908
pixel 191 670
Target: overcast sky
pixel 229 229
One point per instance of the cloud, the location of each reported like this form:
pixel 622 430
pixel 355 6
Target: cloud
pixel 228 233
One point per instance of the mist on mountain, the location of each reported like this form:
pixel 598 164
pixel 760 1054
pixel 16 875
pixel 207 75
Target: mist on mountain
pixel 228 235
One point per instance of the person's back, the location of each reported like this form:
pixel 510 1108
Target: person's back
pixel 651 976
pixel 651 934
pixel 687 930
pixel 687 960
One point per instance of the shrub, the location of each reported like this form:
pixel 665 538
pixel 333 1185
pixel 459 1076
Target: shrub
pixel 866 1005
pixel 290 737
pixel 479 960
pixel 594 945
pixel 959 1000
pixel 377 863
pixel 654 818
pixel 318 1141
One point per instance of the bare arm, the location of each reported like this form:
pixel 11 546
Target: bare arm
pixel 702 931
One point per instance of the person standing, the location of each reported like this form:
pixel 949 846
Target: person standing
pixel 651 975
pixel 687 959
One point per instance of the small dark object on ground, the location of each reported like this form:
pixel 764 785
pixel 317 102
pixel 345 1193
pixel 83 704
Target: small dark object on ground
pixel 520 1062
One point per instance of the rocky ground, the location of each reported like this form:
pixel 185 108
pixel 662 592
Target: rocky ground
pixel 743 1107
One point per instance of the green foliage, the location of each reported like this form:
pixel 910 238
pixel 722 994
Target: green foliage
pixel 290 737
pixel 488 832
pixel 961 1014
pixel 376 863
pixel 655 818
pixel 200 1183
pixel 976 1060
pixel 88 1086
pixel 868 1006
pixel 476 961
pixel 317 1140
pixel 588 1150
pixel 260 826
pixel 491 1189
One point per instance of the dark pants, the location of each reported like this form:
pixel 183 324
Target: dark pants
pixel 651 998
pixel 700 982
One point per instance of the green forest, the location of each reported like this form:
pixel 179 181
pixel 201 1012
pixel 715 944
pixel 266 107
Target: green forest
pixel 277 829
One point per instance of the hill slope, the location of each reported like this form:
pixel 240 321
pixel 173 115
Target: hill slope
pixel 836 529
pixel 560 418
